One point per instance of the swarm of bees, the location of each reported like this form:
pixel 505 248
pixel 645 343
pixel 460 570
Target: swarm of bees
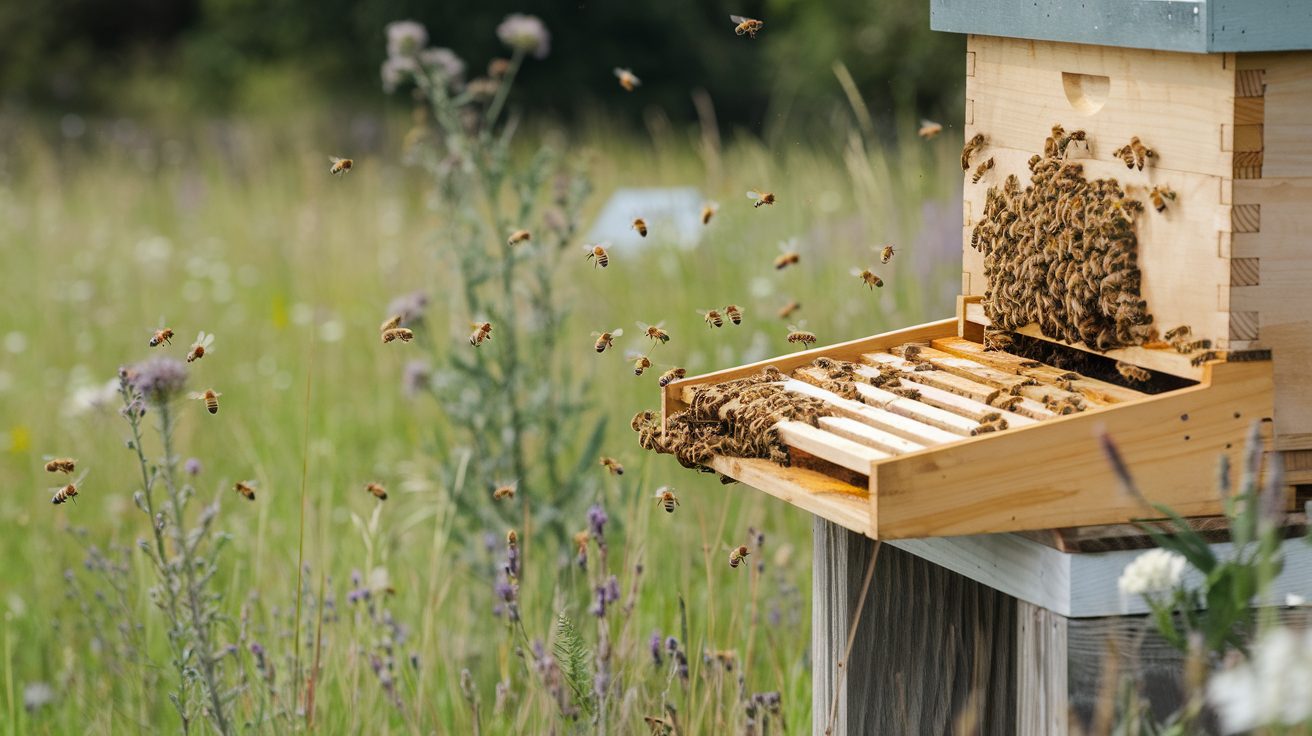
pixel 606 339
pixel 640 225
pixel 761 197
pixel 627 79
pixel 340 165
pixel 665 497
pixel 1062 253
pixel 210 397
pixel 598 252
pixel 398 333
pixel 377 490
pixel 198 348
pixel 745 25
pixel 482 331
pixel 612 465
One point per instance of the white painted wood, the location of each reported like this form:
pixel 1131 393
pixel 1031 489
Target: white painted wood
pixel 867 435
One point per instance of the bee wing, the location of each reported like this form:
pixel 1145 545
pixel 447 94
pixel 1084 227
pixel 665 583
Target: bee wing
pixel 617 333
pixel 643 325
pixel 703 311
pixel 856 271
pixel 161 322
pixel 195 395
pixel 587 247
pixel 755 194
pixel 632 355
pixel 737 19
pixel 660 324
pixel 218 393
pixel 80 476
pixel 596 334
pixel 334 160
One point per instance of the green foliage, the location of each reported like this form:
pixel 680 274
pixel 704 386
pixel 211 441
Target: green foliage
pixel 573 657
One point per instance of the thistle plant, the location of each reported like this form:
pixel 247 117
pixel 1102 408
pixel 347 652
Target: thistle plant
pixel 514 398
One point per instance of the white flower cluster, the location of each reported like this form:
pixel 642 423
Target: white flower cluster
pixel 1273 687
pixel 526 33
pixel 1154 570
pixel 407 56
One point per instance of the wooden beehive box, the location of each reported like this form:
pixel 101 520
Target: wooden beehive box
pixel 1230 127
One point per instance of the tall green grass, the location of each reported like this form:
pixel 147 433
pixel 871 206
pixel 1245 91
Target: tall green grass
pixel 234 227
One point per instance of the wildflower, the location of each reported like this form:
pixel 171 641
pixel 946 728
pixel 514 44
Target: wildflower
pixel 405 38
pixel 415 377
pixel 655 645
pixel 356 578
pixel 409 307
pixel 526 34
pixel 599 606
pixel 612 589
pixel 37 695
pixel 497 68
pixel 504 590
pixel 1154 570
pixel 1293 600
pixel 671 645
pixel 443 60
pixel 192 466
pixel 597 522
pixel 1272 687
pixel 395 71
pixel 600 683
pixel 159 379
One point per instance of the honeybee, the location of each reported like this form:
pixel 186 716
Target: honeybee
pixel 640 419
pixel 929 129
pixel 673 374
pixel 161 336
pixel 504 490
pixel 1126 154
pixel 604 339
pixel 886 254
pixel 797 334
pixel 340 165
pixel 868 278
pixel 1188 347
pixel 1159 195
pixel 390 323
pixel 519 236
pixel 737 556
pixel 60 465
pixel 210 397
pixel 198 348
pixel 708 212
pixel 761 197
pixel 640 362
pixel 246 488
pixel 983 169
pixel 1141 152
pixel 654 332
pixel 746 25
pixel 787 259
pixel 712 317
pixel 482 331
pixel 973 145
pixel 640 226
pixel 787 310
pixel 627 79
pixel 1132 372
pixel 398 333
pixel 68 492
pixel 612 465
pixel 598 252
pixel 377 489
pixel 734 313
pixel 512 539
pixel 665 497
pixel 1174 332
pixel 1201 358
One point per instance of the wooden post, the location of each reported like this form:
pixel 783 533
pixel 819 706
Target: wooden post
pixel 933 648
pixel 1041 672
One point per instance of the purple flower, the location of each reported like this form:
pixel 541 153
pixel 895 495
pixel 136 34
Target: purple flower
pixel 671 645
pixel 354 596
pixel 526 34
pixel 655 645
pixel 612 589
pixel 159 379
pixel 504 590
pixel 600 683
pixel 599 607
pixel 415 378
pixel 256 649
pixel 409 307
pixel 597 521
pixel 356 577
pixel 405 38
pixel 192 466
pixel 512 561
pixel 490 542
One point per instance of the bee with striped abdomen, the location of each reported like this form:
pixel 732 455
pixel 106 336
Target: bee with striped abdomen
pixel 761 197
pixel 734 313
pixel 665 497
pixel 606 339
pixel 640 225
pixel 598 252
pixel 482 331
pixel 654 332
pixel 712 317
pixel 60 465
pixel 745 25
pixel 504 490
pixel 398 333
pixel 210 397
pixel 640 362
pixel 738 556
pixel 868 278
pixel 612 465
pixel 68 492
pixel 673 374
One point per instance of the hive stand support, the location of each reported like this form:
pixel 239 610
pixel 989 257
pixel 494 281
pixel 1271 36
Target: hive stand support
pixel 933 648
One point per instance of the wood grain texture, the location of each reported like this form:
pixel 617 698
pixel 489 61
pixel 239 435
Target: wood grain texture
pixel 1246 218
pixel 1041 681
pixel 1250 110
pixel 955 403
pixel 917 410
pixel 1287 114
pixel 921 435
pixel 1248 83
pixel 1245 271
pixel 831 447
pixel 843 504
pixel 1245 326
pixel 987 486
pixel 1165 360
pixel 1095 391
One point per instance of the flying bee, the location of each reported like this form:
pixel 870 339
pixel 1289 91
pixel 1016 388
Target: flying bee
pixel 761 197
pixel 1126 154
pixel 797 334
pixel 627 79
pixel 886 254
pixel 640 225
pixel 973 145
pixel 504 490
pixel 787 259
pixel 983 169
pixel 1141 152
pixel 1174 332
pixel 612 465
pixel 738 556
pixel 640 419
pixel 746 25
pixel 640 362
pixel 1132 372
pixel 929 129
pixel 604 339
pixel 708 212
pixel 868 278
pixel 734 313
pixel 712 317
pixel 654 332
pixel 163 335
pixel 210 397
pixel 198 348
pixel 60 465
pixel 665 497
pixel 672 375
pixel 482 331
pixel 1159 195
pixel 377 490
pixel 519 236
pixel 787 310
pixel 598 252
pixel 68 492
pixel 390 323
pixel 398 333
pixel 246 488
pixel 340 165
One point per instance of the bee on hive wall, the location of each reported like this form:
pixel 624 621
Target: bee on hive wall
pixel 1159 195
pixel 972 146
pixel 981 171
pixel 673 374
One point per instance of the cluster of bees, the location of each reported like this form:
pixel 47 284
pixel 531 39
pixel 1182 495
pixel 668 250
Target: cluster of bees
pixel 1062 253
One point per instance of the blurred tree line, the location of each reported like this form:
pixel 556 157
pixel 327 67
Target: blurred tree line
pixel 78 54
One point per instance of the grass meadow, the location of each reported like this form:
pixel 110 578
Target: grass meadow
pixel 235 227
